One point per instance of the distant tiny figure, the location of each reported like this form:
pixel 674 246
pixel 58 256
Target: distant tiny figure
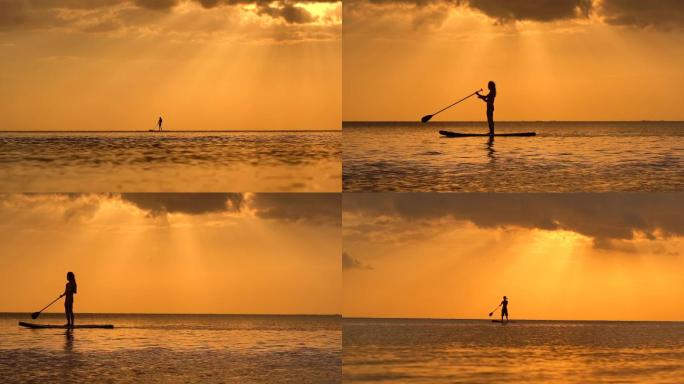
pixel 159 123
pixel 504 308
pixel 69 292
pixel 489 99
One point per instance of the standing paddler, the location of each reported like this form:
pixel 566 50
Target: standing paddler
pixel 504 309
pixel 489 99
pixel 69 291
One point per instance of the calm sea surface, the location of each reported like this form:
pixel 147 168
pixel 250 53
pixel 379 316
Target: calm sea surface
pixel 170 162
pixel 479 351
pixel 564 157
pixel 173 349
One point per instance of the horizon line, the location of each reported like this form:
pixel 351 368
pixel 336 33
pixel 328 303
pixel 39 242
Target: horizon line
pixel 513 121
pixel 171 131
pixel 176 314
pixel 497 318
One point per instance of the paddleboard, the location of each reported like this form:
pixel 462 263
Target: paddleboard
pixel 499 321
pixel 457 134
pixel 53 326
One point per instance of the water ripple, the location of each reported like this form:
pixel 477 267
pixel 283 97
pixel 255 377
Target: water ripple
pixel 198 162
pixel 174 349
pixel 565 157
pixel 477 351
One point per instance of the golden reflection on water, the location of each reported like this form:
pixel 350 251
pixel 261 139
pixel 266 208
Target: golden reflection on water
pixel 476 351
pixel 69 340
pixel 563 157
pixel 174 162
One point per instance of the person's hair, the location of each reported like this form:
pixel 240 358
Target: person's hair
pixel 72 279
pixel 492 86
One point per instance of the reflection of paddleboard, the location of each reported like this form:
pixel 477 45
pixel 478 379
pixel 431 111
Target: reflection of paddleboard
pixel 457 134
pixel 52 326
pixel 155 130
pixel 499 321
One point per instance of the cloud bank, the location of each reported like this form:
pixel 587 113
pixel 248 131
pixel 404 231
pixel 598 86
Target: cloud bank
pixel 665 14
pixel 313 209
pixel 534 10
pixel 117 15
pixel 322 208
pixel 188 203
pixel 603 217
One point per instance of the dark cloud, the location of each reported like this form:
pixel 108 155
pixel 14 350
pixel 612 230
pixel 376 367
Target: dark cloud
pixel 209 3
pixel 535 10
pixel 68 4
pixel 664 14
pixel 349 262
pixel 156 4
pixel 604 217
pixel 188 203
pixel 287 12
pixel 323 208
pixel 310 208
pixel 504 11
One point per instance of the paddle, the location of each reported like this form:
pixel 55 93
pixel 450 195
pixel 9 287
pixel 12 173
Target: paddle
pixel 492 312
pixel 427 118
pixel 35 315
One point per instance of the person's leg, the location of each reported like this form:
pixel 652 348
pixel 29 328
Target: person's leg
pixel 69 306
pixel 490 121
pixel 66 312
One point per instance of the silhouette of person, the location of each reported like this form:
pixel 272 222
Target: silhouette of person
pixel 159 123
pixel 489 99
pixel 504 308
pixel 69 292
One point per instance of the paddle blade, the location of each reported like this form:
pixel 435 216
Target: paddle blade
pixel 35 315
pixel 426 118
pixel 490 314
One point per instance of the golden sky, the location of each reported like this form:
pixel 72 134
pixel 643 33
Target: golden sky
pixel 201 64
pixel 551 59
pixel 556 256
pixel 172 253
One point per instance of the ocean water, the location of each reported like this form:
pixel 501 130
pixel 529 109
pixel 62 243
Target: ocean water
pixel 171 162
pixel 173 349
pixel 479 351
pixel 564 157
